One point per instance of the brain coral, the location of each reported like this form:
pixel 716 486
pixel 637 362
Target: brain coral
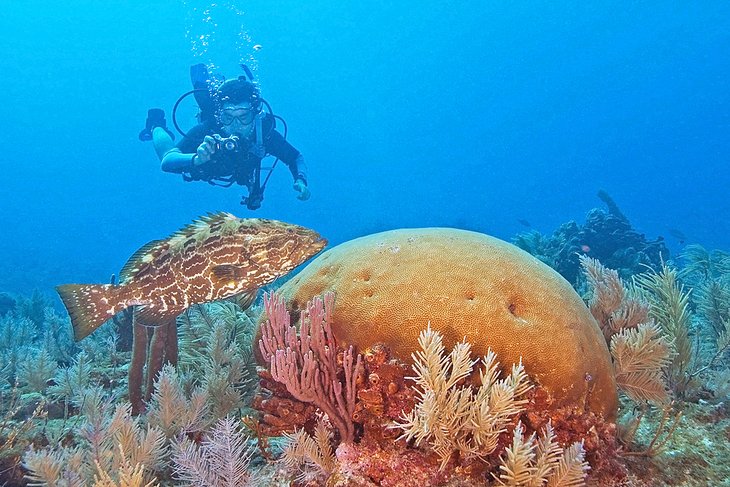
pixel 389 285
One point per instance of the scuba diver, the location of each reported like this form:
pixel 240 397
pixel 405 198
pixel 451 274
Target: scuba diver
pixel 236 131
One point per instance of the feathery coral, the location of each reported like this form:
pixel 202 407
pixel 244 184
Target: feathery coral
pixel 534 462
pixel 640 350
pixel 311 455
pixel 669 308
pixel 611 304
pixel 221 460
pixel 110 442
pixel 460 419
pixel 171 411
pixel 640 355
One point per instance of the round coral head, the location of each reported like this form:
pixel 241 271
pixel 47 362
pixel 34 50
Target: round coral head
pixel 388 286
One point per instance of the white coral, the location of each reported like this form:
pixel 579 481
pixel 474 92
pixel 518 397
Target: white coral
pixel 454 418
pixel 533 462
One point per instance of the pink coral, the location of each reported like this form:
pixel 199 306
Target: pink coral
pixel 306 363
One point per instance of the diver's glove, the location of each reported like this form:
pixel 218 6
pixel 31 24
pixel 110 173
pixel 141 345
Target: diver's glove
pixel 301 187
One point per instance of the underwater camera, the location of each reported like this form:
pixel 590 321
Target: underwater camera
pixel 230 144
pixel 253 200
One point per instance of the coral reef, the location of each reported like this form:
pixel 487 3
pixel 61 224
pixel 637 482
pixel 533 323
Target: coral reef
pixel 460 433
pixel 368 412
pixel 466 284
pixel 606 236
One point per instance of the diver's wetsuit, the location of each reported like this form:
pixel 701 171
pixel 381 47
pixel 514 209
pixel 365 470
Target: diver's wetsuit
pixel 241 164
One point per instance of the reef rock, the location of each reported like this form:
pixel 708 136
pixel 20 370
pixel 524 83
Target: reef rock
pixel 390 285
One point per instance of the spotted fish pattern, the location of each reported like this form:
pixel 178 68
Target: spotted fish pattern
pixel 215 257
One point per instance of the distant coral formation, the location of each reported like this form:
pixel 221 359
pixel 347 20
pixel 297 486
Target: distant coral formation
pixel 607 236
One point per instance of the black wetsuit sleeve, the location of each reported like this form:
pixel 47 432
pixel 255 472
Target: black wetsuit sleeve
pixel 277 146
pixel 172 162
pixel 189 144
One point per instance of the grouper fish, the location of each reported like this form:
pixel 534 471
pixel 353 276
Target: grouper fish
pixel 215 257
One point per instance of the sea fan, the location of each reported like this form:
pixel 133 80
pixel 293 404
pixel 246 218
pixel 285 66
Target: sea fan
pixel 222 460
pixel 311 456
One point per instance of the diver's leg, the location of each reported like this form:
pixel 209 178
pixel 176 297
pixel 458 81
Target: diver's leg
pixel 162 141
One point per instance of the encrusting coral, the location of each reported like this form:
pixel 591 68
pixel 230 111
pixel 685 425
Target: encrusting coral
pixel 466 284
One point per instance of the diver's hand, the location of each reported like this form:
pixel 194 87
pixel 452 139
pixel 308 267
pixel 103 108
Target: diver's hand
pixel 301 187
pixel 205 151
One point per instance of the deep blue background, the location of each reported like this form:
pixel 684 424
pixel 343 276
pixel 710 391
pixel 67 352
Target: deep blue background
pixel 471 114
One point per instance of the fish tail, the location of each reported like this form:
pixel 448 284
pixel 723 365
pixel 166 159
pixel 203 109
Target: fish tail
pixel 89 305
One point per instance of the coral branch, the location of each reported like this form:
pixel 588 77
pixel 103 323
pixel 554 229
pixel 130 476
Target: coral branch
pixel 306 363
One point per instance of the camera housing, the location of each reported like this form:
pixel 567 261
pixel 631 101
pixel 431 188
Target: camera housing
pixel 253 200
pixel 228 144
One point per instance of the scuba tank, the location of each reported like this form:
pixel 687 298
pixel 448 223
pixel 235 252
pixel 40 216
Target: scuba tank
pixel 203 87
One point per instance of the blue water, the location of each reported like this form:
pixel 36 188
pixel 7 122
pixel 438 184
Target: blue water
pixel 470 114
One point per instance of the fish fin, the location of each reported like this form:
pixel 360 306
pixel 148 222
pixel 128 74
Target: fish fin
pixel 88 305
pixel 140 260
pixel 137 261
pixel 226 273
pixel 209 220
pixel 246 298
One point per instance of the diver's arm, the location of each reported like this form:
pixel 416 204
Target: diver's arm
pixel 298 168
pixel 277 146
pixel 175 161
